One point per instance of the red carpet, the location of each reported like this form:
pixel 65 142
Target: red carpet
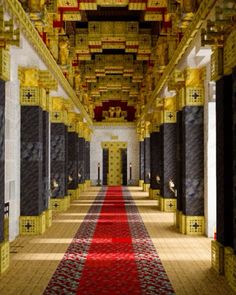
pixel 111 253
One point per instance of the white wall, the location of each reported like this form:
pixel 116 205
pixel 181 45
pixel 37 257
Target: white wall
pixel 127 134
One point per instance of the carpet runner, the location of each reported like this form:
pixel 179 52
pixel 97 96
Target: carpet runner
pixel 111 253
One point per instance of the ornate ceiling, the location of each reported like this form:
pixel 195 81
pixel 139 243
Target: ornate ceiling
pixel 112 52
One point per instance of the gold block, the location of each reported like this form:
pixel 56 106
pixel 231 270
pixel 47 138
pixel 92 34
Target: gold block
pixel 58 117
pixel 140 183
pixel 217 257
pixel 232 277
pixel 77 193
pixel 182 223
pixel 229 53
pixel 228 263
pixel 30 96
pixel 217 70
pixel 4 256
pixel 195 225
pixel 177 213
pixel 194 96
pixel 88 183
pixel 73 194
pixel 59 204
pixel 81 187
pixel 68 200
pixel 150 193
pixel 167 204
pixel 6 228
pixel 48 216
pixel 146 187
pixel 33 225
pixel 155 194
pixel 169 117
pixel 4 64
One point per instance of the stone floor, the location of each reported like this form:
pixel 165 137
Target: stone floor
pixel 186 259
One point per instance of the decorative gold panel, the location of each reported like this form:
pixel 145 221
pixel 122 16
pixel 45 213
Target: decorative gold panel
pixel 30 96
pixel 117 144
pixel 194 96
pixel 217 63
pixel 229 53
pixel 217 257
pixel 4 65
pixel 169 117
pixel 4 256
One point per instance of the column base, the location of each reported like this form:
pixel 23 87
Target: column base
pixel 60 204
pixel 167 204
pixel 82 187
pixel 146 187
pixel 6 228
pixel 223 261
pixel 150 193
pixel 73 194
pixel 191 225
pixel 155 194
pixel 4 256
pixel 140 183
pixel 33 225
pixel 48 216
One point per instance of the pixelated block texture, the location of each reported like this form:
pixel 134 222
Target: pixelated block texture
pixel 193 168
pixel 168 165
pixel 46 151
pixel 81 160
pixel 59 159
pixel 31 197
pixel 234 158
pixel 155 147
pixel 87 160
pixel 224 158
pixel 2 157
pixel 105 164
pixel 72 160
pixel 141 160
pixel 147 160
pixel 179 161
pixel 124 166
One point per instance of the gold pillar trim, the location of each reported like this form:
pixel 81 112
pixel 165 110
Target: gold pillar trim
pixel 60 204
pixel 194 77
pixel 229 53
pixel 73 193
pixel 80 129
pixel 146 187
pixel 217 257
pixel 167 204
pixel 4 64
pixel 191 96
pixel 32 35
pixel 33 225
pixel 217 69
pixel 191 225
pixel 58 113
pixel 48 216
pixel 72 121
pixel 112 144
pixel 140 183
pixel 4 256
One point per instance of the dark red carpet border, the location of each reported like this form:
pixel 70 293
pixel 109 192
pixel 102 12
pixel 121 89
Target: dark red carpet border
pixel 111 253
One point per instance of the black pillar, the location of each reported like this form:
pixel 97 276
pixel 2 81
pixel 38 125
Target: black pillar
pixel 46 153
pixel 87 160
pixel 32 200
pixel 81 167
pixel 59 154
pixel 193 161
pixel 225 160
pixel 124 167
pixel 155 159
pixel 72 160
pixel 147 160
pixel 180 157
pixel 2 157
pixel 168 166
pixel 105 164
pixel 141 160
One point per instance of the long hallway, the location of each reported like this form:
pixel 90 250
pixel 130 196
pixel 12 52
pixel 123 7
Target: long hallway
pixel 186 259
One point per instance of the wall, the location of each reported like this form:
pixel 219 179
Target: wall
pixel 127 134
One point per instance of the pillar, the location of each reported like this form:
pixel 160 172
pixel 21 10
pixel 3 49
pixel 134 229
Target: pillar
pixel 87 137
pixel 146 184
pixel 191 154
pixel 73 154
pixel 141 158
pixel 168 156
pixel 155 159
pixel 60 200
pixel 81 158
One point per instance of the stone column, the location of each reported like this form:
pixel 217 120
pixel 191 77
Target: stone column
pixel 146 184
pixel 87 137
pixel 73 156
pixel 141 157
pixel 33 201
pixel 168 156
pixel 192 154
pixel 60 201
pixel 155 159
pixel 81 158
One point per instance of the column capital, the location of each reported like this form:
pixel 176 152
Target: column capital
pixel 72 121
pixel 169 110
pixel 58 112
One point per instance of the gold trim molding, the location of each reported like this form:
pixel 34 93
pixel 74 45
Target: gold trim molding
pixel 33 37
